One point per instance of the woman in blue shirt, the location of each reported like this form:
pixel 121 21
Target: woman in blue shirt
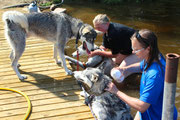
pixel 149 105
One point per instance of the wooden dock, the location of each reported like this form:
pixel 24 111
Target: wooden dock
pixel 54 96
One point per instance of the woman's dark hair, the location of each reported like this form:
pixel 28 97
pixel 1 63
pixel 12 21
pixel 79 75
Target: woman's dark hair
pixel 148 39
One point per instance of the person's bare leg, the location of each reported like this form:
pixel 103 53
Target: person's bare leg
pixel 119 58
pixel 131 59
pixel 128 60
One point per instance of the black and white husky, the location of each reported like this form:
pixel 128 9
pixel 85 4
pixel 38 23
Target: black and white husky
pixel 55 27
pixel 105 105
pixel 97 61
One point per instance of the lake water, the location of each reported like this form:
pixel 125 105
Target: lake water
pixel 161 17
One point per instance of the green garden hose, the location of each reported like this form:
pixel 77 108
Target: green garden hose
pixel 27 99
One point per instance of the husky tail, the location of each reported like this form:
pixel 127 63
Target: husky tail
pixel 16 28
pixel 16 17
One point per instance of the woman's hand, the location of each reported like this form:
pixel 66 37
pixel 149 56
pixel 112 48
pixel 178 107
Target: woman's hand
pixel 117 74
pixel 121 69
pixel 112 88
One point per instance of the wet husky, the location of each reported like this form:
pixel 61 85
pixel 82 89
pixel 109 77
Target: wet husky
pixel 105 105
pixel 55 27
pixel 97 61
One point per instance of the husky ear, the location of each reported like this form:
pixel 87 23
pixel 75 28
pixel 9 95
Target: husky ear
pixel 102 66
pixel 94 77
pixel 85 30
pixel 89 31
pixel 99 32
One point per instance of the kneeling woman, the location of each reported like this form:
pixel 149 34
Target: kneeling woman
pixel 149 105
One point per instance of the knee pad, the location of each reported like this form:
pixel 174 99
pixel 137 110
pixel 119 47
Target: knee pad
pixel 117 75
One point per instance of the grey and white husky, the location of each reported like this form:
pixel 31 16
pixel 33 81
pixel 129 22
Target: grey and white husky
pixel 97 61
pixel 105 105
pixel 55 27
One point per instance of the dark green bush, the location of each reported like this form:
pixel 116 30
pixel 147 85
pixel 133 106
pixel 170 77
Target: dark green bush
pixel 110 2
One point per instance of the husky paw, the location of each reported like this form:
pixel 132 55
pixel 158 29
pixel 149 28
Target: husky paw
pixel 74 54
pixel 18 65
pixel 84 94
pixel 69 72
pixel 58 62
pixel 22 77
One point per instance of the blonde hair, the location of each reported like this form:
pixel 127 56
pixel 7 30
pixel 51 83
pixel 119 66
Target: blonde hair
pixel 101 18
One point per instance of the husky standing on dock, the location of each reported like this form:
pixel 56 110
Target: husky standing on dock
pixel 55 27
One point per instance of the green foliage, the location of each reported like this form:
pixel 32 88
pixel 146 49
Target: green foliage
pixel 49 2
pixel 109 2
pixel 112 1
pixel 46 4
pixel 56 1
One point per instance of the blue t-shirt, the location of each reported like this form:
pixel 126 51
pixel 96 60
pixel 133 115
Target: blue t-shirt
pixel 151 90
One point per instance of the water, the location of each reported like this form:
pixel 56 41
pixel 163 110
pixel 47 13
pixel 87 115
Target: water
pixel 161 17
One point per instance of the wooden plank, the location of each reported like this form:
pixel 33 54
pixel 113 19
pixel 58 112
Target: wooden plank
pixel 81 114
pixel 15 98
pixel 61 112
pixel 78 116
pixel 61 101
pixel 34 68
pixel 48 55
pixel 42 82
pixel 48 89
pixel 36 77
pixel 43 108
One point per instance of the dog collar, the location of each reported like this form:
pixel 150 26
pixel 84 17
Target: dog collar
pixel 88 100
pixel 78 34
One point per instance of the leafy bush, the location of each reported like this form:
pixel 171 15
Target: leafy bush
pixel 111 2
pixel 46 4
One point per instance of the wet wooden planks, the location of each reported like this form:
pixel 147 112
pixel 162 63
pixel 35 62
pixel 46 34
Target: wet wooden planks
pixel 54 96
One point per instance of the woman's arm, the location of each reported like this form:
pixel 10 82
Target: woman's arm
pixel 102 53
pixel 131 101
pixel 103 48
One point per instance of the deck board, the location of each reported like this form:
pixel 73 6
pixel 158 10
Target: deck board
pixel 54 95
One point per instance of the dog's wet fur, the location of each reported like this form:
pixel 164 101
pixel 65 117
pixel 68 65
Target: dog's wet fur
pixel 105 105
pixel 97 61
pixel 55 27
